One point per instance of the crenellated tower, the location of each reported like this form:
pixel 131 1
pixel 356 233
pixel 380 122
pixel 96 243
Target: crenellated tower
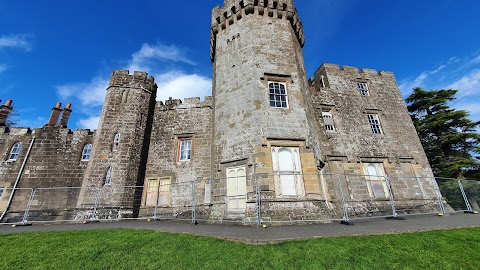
pixel 120 146
pixel 260 89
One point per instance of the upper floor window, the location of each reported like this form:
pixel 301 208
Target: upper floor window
pixel 278 94
pixel 328 120
pixel 363 87
pixel 108 176
pixel 86 152
pixel 15 151
pixel 374 122
pixel 184 149
pixel 1 192
pixel 116 142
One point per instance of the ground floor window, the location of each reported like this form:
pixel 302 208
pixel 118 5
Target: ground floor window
pixel 158 192
pixel 236 189
pixel 376 180
pixel 287 169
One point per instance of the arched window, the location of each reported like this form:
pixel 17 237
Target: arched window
pixel 108 176
pixel 116 142
pixel 15 151
pixel 86 152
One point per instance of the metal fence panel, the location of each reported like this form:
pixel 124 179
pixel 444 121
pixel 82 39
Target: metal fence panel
pixel 13 211
pixel 452 194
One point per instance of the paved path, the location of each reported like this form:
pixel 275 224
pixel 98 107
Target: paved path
pixel 259 235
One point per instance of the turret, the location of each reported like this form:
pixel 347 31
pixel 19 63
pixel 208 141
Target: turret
pixel 120 146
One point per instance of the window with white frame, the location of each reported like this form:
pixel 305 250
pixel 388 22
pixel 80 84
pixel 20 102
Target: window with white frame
pixel 15 151
pixel 278 94
pixel 363 88
pixel 236 189
pixel 287 169
pixel 108 177
pixel 184 149
pixel 376 180
pixel 374 122
pixel 328 120
pixel 87 149
pixel 116 142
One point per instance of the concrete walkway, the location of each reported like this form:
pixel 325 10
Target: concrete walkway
pixel 259 235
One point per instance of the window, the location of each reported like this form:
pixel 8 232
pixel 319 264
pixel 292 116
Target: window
pixel 287 170
pixel 376 180
pixel 162 186
pixel 116 142
pixel 108 176
pixel 278 94
pixel 236 189
pixel 15 151
pixel 328 120
pixel 363 87
pixel 374 122
pixel 1 192
pixel 184 149
pixel 86 152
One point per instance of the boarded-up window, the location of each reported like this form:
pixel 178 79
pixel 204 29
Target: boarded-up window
pixel 158 190
pixel 288 170
pixel 376 180
pixel 236 189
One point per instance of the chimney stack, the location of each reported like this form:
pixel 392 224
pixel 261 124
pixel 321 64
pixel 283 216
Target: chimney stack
pixel 55 114
pixel 65 115
pixel 5 112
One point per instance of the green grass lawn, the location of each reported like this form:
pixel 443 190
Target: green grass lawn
pixel 142 249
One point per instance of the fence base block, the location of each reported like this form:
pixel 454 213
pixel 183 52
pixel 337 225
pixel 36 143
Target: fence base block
pixel 90 221
pixel 470 212
pixel 21 225
pixel 396 218
pixel 348 223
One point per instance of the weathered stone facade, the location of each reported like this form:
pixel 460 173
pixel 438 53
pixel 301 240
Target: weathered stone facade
pixel 266 131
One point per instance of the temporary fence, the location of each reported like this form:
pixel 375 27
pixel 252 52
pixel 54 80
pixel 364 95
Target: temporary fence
pixel 247 199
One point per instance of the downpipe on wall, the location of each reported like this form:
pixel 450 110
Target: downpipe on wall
pixel 18 179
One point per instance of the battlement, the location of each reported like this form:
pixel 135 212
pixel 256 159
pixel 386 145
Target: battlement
pixel 122 78
pixel 191 102
pixel 334 68
pixel 234 10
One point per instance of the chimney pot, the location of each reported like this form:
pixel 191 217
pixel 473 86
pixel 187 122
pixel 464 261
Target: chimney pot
pixel 8 103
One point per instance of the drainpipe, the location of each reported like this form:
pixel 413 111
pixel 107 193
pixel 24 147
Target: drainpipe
pixel 18 178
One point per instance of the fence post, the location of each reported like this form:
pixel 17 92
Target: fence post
pixel 439 197
pixel 258 200
pixel 29 205
pixel 97 200
pixel 465 198
pixel 345 218
pixel 392 201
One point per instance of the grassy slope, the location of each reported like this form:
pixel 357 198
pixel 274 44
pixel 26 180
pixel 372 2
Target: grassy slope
pixel 140 249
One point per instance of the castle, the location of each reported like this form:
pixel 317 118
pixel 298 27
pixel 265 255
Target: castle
pixel 267 131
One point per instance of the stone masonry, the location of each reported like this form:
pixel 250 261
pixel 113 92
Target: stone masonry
pixel 267 129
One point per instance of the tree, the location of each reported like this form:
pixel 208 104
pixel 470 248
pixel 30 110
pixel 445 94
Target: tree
pixel 448 136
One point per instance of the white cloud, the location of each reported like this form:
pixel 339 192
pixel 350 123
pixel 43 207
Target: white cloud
pixel 3 67
pixel 467 85
pixel 171 83
pixel 144 59
pixel 407 86
pixel 23 41
pixel 89 94
pixel 179 85
pixel 89 123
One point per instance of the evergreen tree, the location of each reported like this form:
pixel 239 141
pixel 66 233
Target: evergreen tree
pixel 448 136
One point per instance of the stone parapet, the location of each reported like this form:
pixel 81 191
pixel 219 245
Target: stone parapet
pixel 234 10
pixel 139 80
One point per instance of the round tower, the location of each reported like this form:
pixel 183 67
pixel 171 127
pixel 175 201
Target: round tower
pixel 259 79
pixel 119 152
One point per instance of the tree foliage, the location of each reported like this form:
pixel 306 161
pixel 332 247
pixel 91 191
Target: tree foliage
pixel 448 136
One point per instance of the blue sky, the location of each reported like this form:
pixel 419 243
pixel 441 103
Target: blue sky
pixel 66 50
